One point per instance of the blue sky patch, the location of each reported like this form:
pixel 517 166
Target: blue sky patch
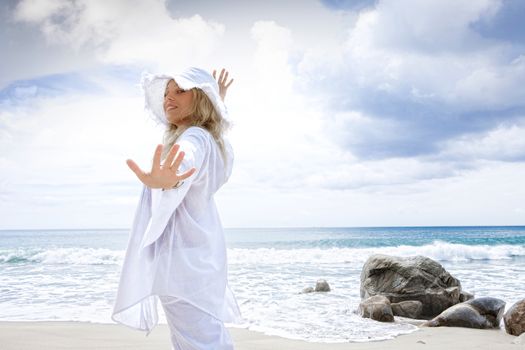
pixel 352 5
pixel 508 24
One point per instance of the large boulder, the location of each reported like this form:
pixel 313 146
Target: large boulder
pixel 476 313
pixel 377 308
pixel 413 278
pixel 515 318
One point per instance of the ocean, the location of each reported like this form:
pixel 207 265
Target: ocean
pixel 72 275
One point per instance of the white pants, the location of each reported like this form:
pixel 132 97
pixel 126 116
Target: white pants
pixel 192 328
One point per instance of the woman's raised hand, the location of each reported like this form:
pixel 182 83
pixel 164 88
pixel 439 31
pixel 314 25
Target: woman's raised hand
pixel 165 175
pixel 223 82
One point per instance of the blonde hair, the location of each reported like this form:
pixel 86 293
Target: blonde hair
pixel 203 114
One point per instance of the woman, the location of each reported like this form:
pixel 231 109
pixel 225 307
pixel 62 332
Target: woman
pixel 176 251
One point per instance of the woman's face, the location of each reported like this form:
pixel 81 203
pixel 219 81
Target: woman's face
pixel 177 103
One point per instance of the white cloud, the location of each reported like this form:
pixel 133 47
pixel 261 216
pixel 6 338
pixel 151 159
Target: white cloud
pixel 276 129
pixel 491 195
pixel 271 57
pixel 63 157
pixel 74 140
pixel 429 26
pixel 412 75
pixel 124 31
pixel 506 142
pixel 492 86
pixel 37 11
pixel 429 49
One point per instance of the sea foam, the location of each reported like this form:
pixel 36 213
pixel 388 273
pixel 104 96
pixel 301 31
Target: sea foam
pixel 441 251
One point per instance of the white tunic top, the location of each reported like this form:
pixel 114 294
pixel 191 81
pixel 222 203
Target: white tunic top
pixel 176 245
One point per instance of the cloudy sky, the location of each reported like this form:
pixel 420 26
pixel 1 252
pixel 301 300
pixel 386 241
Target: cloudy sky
pixel 346 113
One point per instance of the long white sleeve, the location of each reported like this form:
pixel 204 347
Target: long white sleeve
pixel 164 203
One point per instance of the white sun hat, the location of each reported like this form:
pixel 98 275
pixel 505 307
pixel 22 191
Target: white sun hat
pixel 154 86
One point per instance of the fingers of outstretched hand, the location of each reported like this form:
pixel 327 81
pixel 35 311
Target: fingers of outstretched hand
pixel 171 155
pixel 178 160
pixel 187 174
pixel 136 169
pixel 156 158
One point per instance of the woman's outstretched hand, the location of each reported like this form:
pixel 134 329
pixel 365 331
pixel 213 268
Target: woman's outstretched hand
pixel 165 175
pixel 223 82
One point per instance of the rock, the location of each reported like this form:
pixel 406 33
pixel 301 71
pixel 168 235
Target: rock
pixel 415 278
pixel 409 308
pixel 322 286
pixel 465 296
pixel 492 308
pixel 476 313
pixel 377 308
pixel 515 318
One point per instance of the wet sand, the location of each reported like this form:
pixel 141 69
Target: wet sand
pixel 80 335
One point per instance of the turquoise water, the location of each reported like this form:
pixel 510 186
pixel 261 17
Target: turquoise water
pixel 290 238
pixel 73 274
pixel 284 238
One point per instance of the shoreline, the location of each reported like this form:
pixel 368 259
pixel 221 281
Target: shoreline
pixel 30 335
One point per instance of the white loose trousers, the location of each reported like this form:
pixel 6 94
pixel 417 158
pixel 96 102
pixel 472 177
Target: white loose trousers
pixel 194 329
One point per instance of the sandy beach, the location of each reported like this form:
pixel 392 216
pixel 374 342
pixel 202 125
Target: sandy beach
pixel 80 336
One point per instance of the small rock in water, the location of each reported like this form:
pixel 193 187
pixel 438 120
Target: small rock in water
pixel 515 318
pixel 377 308
pixel 308 290
pixel 322 286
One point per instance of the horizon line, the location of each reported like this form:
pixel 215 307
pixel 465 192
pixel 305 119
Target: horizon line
pixel 261 227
